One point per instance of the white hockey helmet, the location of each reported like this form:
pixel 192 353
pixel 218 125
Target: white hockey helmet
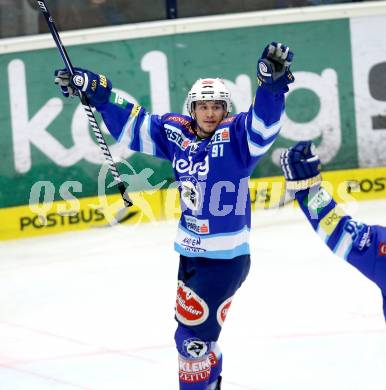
pixel 209 89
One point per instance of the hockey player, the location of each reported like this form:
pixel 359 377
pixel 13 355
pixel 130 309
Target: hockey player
pixel 363 246
pixel 213 155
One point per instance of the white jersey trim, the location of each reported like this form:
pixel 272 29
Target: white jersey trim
pixel 259 127
pixel 221 245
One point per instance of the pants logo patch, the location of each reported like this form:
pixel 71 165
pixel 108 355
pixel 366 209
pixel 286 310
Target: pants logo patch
pixel 190 308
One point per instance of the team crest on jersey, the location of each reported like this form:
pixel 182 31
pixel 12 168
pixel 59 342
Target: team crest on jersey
pixel 222 311
pixel 199 226
pixel 190 193
pixel 190 308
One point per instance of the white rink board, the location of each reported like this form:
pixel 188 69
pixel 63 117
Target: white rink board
pixel 94 310
pixel 195 24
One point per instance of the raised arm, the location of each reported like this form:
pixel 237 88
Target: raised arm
pixel 127 122
pixel 262 124
pixel 362 245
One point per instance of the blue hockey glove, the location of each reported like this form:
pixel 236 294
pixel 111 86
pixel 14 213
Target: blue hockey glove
pixel 96 87
pixel 273 68
pixel 301 166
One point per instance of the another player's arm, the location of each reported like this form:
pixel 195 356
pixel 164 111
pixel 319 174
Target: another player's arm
pixel 261 125
pixel 351 240
pixel 363 246
pixel 338 230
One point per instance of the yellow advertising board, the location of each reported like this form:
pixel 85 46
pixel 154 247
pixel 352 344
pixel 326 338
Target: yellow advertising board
pixel 79 214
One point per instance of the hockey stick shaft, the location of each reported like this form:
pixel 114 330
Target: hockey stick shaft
pixel 91 118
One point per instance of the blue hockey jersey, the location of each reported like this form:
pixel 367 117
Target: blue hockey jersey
pixel 212 174
pixel 363 246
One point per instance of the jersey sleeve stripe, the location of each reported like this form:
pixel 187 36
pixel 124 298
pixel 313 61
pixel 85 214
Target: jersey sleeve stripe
pixel 146 143
pixel 322 234
pixel 127 133
pixel 344 245
pixel 260 137
pixel 258 127
pixel 136 133
pixel 256 149
pixel 258 140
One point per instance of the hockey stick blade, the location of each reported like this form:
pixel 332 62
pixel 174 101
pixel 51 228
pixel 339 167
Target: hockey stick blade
pixel 90 115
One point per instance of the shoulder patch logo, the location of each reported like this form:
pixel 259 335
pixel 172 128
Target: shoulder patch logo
pixel 321 199
pixel 175 135
pixel 221 135
pixel 182 121
pixel 331 220
pixel 227 120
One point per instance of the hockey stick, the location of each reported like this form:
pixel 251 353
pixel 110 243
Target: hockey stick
pixel 91 118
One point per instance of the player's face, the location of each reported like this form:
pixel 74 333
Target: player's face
pixel 208 115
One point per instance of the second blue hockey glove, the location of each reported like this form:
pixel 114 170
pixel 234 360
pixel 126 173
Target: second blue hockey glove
pixel 301 166
pixel 96 87
pixel 273 71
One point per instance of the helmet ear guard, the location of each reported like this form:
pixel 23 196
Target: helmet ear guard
pixel 207 90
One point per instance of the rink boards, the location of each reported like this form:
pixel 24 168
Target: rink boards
pixel 337 101
pixel 49 154
pixel 149 206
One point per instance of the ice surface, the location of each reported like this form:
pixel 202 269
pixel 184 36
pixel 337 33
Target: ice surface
pixel 94 310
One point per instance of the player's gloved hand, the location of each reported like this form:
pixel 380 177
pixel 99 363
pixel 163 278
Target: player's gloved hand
pixel 96 87
pixel 301 166
pixel 273 70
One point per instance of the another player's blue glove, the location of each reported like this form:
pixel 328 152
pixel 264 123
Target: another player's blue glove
pixel 96 87
pixel 273 68
pixel 301 166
